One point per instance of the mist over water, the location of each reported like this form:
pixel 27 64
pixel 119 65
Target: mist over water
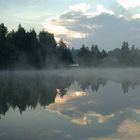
pixel 76 104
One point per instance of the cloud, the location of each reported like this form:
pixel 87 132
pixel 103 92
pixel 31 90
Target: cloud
pixel 84 120
pixel 59 28
pixel 101 118
pixel 136 16
pixel 127 4
pixel 104 27
pixel 71 95
pixel 75 114
pixel 101 9
pixel 82 7
pixel 62 25
pixel 80 121
pixel 127 130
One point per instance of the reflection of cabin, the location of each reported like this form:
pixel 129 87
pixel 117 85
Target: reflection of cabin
pixel 74 65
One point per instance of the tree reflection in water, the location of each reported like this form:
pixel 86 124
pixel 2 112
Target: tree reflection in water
pixel 27 89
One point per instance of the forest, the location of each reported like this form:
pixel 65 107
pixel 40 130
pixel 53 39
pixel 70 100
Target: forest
pixel 23 49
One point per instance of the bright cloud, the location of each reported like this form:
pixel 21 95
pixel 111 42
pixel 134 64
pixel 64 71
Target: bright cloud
pixel 83 7
pixel 129 3
pixel 101 9
pixel 57 28
pixel 54 28
pixel 101 118
pixel 70 96
pixel 80 121
pixel 136 16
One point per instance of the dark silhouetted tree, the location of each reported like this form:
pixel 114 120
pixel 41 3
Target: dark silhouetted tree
pixel 64 54
pixel 84 56
pixel 125 58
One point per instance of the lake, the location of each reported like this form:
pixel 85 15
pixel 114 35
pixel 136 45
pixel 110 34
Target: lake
pixel 74 104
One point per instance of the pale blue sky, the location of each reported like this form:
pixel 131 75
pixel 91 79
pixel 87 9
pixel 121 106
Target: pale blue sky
pixel 104 22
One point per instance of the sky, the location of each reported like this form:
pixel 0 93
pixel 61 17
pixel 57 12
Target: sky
pixel 106 23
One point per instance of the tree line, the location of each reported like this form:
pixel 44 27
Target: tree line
pixel 125 56
pixel 27 49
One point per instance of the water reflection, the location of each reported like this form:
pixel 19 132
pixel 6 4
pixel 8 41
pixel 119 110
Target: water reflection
pixel 27 89
pixel 24 90
pixel 82 108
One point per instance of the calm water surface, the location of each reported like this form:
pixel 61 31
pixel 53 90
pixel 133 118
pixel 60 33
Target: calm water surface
pixel 70 105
